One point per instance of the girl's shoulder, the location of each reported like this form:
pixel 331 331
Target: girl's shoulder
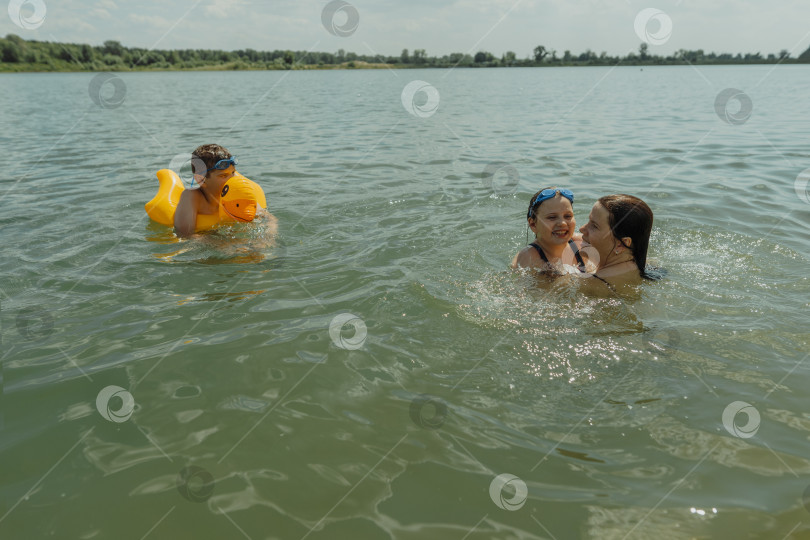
pixel 521 259
pixel 528 258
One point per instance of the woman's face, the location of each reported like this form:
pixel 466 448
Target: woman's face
pixel 597 231
pixel 554 221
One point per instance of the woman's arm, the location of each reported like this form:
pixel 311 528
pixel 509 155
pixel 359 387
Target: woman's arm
pixel 269 223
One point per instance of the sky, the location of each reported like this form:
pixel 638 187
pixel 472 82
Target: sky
pixel 438 26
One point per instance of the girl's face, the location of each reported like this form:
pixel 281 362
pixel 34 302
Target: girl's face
pixel 554 221
pixel 597 231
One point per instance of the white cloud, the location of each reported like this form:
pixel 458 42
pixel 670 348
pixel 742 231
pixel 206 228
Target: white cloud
pixel 149 21
pixel 101 13
pixel 224 8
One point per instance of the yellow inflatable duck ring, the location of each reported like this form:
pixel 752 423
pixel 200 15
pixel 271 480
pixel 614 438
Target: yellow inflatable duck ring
pixel 239 201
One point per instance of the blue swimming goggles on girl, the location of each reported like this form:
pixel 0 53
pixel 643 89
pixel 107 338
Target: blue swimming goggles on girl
pixel 547 194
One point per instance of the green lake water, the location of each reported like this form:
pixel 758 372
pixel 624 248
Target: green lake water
pixel 161 389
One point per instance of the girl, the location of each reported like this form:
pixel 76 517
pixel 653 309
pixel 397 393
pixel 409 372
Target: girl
pixel 551 218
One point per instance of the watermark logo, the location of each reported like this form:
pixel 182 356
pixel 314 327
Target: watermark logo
pixel 27 14
pixel 420 99
pixel 500 177
pixel 653 26
pixel 336 331
pixel 730 416
pixel 801 186
pixel 726 113
pixel 184 165
pixel 106 395
pixel 428 412
pixel 496 492
pixel 329 18
pixel 589 255
pixel 195 484
pixel 100 93
pixel 34 323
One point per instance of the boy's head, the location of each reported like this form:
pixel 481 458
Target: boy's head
pixel 209 154
pixel 209 162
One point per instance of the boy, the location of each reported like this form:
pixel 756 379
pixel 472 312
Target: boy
pixel 212 166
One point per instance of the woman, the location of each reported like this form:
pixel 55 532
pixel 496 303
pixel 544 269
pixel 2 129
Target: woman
pixel 618 231
pixel 551 218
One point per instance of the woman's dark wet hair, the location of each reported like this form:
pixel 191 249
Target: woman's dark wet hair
pixel 631 217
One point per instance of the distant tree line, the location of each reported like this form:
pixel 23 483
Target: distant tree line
pixel 17 54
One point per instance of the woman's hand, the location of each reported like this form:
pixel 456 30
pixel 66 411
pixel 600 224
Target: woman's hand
pixel 269 223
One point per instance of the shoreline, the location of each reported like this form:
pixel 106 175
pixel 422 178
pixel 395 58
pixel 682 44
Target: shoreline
pixel 18 55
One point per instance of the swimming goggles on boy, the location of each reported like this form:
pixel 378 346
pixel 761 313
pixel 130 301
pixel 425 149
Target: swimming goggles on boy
pixel 547 194
pixel 223 164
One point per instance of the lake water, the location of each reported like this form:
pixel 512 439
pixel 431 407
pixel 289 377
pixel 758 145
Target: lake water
pixel 680 411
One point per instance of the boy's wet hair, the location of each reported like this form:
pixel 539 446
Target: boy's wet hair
pixel 532 212
pixel 209 154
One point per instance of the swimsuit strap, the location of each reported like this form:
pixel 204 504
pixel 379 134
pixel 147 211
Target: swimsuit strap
pixel 605 282
pixel 540 252
pixel 575 249
pixel 580 261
